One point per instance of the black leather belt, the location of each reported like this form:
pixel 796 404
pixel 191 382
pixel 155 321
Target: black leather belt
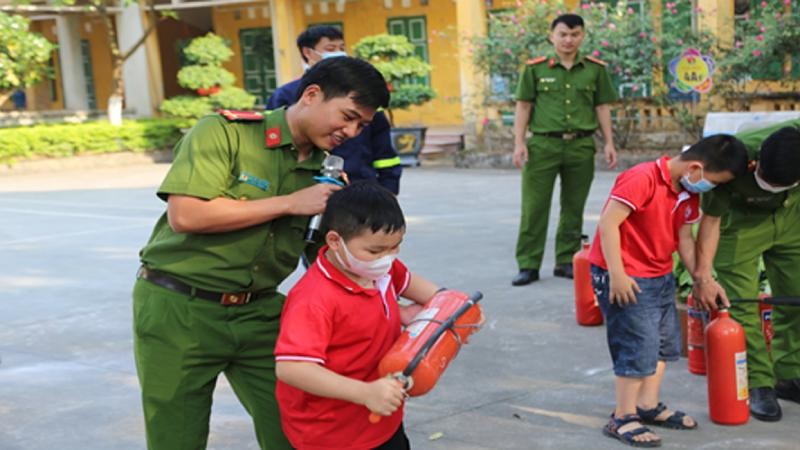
pixel 566 135
pixel 174 284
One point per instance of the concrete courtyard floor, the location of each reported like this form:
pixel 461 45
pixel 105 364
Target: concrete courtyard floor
pixel 531 379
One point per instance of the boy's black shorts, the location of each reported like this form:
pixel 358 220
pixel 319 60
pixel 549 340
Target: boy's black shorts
pixel 398 441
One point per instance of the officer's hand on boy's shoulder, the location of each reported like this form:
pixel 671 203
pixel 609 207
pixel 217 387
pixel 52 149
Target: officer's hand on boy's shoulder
pixel 384 395
pixel 622 289
pixel 311 200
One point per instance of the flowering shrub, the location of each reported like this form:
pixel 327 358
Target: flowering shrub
pixel 638 46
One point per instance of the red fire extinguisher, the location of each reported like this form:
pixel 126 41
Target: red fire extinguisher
pixel 726 364
pixel 695 323
pixel 431 341
pixel 587 312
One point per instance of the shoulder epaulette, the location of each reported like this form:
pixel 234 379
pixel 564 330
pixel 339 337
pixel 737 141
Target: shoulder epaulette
pixel 536 60
pixel 232 115
pixel 596 61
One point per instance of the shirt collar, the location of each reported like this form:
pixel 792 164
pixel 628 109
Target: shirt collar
pixel 666 177
pixel 335 275
pixel 579 59
pixel 278 136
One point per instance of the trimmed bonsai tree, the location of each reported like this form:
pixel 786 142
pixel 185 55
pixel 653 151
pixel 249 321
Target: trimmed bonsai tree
pixel 394 57
pixel 207 77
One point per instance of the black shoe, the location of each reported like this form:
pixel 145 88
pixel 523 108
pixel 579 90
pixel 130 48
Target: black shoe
pixel 764 404
pixel 788 389
pixel 525 276
pixel 563 270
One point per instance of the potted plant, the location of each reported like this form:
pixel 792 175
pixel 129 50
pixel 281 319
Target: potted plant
pixel 394 57
pixel 206 76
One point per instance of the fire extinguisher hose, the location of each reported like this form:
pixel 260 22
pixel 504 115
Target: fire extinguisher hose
pixel 788 301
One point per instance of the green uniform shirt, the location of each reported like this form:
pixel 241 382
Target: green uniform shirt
pixel 564 100
pixel 237 160
pixel 743 192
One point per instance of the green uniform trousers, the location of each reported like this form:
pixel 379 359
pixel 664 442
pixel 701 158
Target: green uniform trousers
pixel 573 162
pixel 745 237
pixel 181 346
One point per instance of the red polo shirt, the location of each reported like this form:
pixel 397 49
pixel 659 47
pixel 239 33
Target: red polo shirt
pixel 649 235
pixel 330 320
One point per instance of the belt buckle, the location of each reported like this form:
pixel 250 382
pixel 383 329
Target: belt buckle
pixel 235 298
pixel 569 136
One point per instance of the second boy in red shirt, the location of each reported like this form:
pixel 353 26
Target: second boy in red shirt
pixel 648 217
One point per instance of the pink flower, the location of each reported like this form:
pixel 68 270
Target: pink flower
pixel 611 26
pixel 654 39
pixel 635 87
pixel 642 35
pixel 763 4
pixel 604 43
pixel 674 11
pixel 596 54
pixel 738 44
pixel 679 42
pixel 698 10
pixel 585 6
pixel 485 121
pixel 760 37
pixel 508 52
pixel 756 53
pixel 631 11
pixel 787 2
pixel 763 29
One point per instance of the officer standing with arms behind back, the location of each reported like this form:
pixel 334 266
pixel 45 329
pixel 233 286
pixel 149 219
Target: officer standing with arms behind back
pixel 561 99
pixel 755 216
pixel 239 195
pixel 368 156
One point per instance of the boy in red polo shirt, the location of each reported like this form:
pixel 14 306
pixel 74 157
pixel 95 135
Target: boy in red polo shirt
pixel 648 216
pixel 340 320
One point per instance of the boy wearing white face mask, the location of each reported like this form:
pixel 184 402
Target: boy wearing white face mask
pixel 755 216
pixel 648 216
pixel 340 320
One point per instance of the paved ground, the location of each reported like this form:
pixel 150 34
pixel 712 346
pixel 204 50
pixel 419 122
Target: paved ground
pixel 532 379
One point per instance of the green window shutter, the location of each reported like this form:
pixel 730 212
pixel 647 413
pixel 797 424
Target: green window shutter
pixel 258 62
pixel 86 60
pixel 415 29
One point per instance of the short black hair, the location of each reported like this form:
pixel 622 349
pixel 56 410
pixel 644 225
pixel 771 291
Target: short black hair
pixel 779 159
pixel 311 37
pixel 345 76
pixel 570 20
pixel 719 153
pixel 363 205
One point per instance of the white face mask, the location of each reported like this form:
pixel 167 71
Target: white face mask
pixel 371 270
pixel 768 187
pixel 334 54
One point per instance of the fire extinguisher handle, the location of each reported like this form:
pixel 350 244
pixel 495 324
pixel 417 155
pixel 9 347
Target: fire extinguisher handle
pixel 375 418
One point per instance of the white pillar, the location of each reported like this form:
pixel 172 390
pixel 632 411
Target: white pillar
pixel 73 80
pixel 134 71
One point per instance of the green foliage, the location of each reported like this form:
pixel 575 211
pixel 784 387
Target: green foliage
pixel 62 140
pixel 393 56
pixel 208 52
pixel 187 106
pixel 24 55
pixel 233 98
pixel 211 50
pixel 201 76
pixel 406 95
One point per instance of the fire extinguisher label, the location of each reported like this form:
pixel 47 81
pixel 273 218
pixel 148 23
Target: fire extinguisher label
pixel 741 375
pixel 420 321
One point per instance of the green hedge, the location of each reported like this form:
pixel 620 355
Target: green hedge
pixel 53 141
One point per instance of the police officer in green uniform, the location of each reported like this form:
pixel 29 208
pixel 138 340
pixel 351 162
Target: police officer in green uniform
pixel 755 216
pixel 239 195
pixel 561 99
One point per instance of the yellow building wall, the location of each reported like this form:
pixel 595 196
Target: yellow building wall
pixel 93 29
pixel 368 17
pixel 40 97
pixel 228 20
